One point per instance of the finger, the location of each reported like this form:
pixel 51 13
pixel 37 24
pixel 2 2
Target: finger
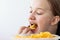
pixel 21 29
pixel 26 30
pixel 29 33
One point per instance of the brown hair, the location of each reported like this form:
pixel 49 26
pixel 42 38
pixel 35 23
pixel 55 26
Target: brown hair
pixel 55 7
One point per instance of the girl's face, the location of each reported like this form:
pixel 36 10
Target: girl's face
pixel 41 15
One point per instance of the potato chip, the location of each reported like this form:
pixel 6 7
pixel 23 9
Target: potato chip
pixel 32 26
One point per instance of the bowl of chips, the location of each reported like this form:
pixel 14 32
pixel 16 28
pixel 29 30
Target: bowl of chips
pixel 40 36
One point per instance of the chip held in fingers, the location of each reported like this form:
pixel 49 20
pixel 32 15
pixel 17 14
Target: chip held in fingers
pixel 32 26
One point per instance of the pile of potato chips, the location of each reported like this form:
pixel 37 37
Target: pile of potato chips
pixel 40 35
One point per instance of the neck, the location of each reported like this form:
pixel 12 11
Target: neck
pixel 53 29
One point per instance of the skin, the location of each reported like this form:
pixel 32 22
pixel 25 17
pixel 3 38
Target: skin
pixel 41 14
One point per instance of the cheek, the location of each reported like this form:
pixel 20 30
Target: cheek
pixel 43 22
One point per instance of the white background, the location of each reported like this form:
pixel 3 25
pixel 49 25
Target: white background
pixel 13 14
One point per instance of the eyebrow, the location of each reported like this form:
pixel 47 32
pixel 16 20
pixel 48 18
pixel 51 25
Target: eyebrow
pixel 38 8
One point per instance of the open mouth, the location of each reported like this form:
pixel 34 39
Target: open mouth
pixel 33 26
pixel 33 29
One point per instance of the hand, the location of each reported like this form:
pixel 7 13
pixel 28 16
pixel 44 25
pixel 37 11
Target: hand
pixel 25 31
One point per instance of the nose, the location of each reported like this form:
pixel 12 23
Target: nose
pixel 32 17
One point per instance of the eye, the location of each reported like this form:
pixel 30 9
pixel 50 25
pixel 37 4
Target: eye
pixel 39 13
